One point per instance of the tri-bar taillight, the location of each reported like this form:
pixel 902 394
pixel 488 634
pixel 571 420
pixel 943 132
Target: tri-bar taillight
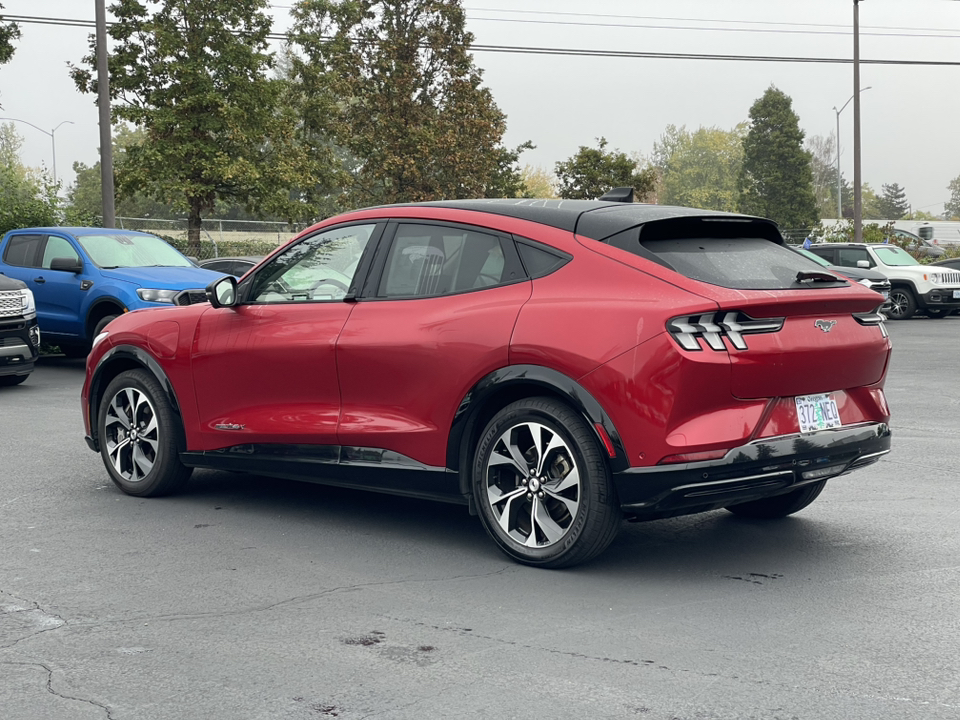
pixel 712 328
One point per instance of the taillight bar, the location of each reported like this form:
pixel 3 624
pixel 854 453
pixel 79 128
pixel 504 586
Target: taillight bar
pixel 688 330
pixel 870 319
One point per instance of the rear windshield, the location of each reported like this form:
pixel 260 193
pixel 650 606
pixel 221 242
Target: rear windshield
pixel 744 263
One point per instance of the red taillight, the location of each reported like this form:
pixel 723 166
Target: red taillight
pixel 694 457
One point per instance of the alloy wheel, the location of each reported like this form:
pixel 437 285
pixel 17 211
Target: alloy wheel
pixel 533 485
pixel 132 434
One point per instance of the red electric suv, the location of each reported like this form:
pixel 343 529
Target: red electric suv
pixel 554 365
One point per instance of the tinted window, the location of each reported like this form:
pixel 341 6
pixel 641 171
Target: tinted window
pixel 745 263
pixel 430 260
pixel 320 268
pixel 22 250
pixel 538 261
pixel 849 257
pixel 58 247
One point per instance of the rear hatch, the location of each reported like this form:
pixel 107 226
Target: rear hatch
pixel 789 326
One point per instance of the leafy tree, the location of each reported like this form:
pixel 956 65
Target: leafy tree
pixel 194 76
pixel 591 172
pixel 8 33
pixel 700 168
pixel 921 215
pixel 893 202
pixel 776 180
pixel 392 83
pixel 537 183
pixel 27 199
pixel 507 180
pixel 871 206
pixel 951 209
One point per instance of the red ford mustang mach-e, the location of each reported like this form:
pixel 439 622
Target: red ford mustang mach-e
pixel 554 365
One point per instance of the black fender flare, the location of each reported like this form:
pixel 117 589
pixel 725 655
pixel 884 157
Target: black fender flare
pixel 100 301
pixel 127 354
pixel 553 383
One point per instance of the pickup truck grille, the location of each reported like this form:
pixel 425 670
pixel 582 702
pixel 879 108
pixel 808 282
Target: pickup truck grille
pixel 11 303
pixel 191 296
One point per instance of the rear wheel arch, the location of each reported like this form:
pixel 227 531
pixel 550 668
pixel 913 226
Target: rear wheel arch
pixel 118 360
pixel 516 382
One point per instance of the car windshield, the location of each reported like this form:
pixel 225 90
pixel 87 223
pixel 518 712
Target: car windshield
pixel 894 257
pixel 134 250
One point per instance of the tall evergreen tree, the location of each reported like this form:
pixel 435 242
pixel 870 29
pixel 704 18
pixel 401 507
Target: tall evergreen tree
pixel 893 203
pixel 194 76
pixel 776 180
pixel 392 83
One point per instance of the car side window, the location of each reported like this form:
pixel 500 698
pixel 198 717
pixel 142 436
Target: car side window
pixel 849 257
pixel 319 268
pixel 22 250
pixel 58 247
pixel 432 260
pixel 825 253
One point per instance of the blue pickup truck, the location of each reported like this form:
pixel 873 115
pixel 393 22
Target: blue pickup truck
pixel 82 278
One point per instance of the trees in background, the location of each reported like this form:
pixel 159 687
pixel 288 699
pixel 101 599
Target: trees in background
pixel 194 77
pixel 591 172
pixel 8 33
pixel 393 84
pixel 700 168
pixel 27 198
pixel 776 178
pixel 823 156
pixel 951 208
pixel 892 203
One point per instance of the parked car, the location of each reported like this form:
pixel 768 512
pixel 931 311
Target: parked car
pixel 19 335
pixel 83 278
pixel 236 266
pixel 919 245
pixel 552 365
pixel 868 278
pixel 952 263
pixel 914 287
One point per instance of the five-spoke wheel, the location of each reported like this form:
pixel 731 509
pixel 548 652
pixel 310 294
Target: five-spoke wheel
pixel 542 487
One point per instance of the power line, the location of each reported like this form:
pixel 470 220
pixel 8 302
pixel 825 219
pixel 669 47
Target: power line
pixel 576 52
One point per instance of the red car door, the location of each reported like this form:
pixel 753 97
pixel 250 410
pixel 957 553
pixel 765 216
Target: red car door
pixel 265 371
pixel 438 318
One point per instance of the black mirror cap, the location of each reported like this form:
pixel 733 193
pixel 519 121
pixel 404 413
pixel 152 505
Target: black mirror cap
pixel 67 265
pixel 620 194
pixel 222 292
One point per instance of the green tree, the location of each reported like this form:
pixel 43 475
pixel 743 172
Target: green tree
pixel 392 83
pixel 507 180
pixel 591 172
pixel 27 198
pixel 893 202
pixel 700 168
pixel 776 180
pixel 537 183
pixel 194 76
pixel 8 33
pixel 951 208
pixel 823 155
pixel 871 208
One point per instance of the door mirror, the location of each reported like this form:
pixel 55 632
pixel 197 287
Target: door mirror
pixel 67 265
pixel 223 292
pixel 865 264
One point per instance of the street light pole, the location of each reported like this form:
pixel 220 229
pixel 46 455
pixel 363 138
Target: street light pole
pixel 839 186
pixel 53 139
pixel 857 195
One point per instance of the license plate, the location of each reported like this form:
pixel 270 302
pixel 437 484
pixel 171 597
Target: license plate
pixel 817 412
pixel 886 294
pixel 956 294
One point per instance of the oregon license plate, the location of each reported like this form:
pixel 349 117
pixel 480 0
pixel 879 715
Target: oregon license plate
pixel 817 412
pixel 956 294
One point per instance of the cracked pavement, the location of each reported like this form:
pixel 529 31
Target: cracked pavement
pixel 253 598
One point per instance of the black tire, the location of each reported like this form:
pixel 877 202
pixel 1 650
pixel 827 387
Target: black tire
pixel 903 304
pixel 937 312
pixel 779 506
pixel 135 400
pixel 9 380
pixel 102 324
pixel 509 496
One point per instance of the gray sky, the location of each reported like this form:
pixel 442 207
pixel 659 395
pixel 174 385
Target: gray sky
pixel 910 116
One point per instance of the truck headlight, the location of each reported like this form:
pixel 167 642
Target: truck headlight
pixel 29 304
pixel 157 296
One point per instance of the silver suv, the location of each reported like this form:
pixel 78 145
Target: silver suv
pixel 932 290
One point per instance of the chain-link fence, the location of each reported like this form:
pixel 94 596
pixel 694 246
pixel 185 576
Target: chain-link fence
pixel 218 238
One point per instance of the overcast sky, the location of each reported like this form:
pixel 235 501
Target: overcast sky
pixel 910 116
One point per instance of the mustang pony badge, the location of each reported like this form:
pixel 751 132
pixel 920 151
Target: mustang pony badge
pixel 825 325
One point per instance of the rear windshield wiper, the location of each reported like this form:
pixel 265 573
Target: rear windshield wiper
pixel 817 276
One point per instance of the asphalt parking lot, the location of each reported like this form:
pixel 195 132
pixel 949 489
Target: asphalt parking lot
pixel 252 598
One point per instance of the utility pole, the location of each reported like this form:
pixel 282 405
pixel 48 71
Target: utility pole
pixel 106 130
pixel 857 195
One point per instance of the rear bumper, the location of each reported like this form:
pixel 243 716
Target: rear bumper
pixel 759 469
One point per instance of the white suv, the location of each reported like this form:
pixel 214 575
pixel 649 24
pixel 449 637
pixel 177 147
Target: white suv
pixel 932 290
